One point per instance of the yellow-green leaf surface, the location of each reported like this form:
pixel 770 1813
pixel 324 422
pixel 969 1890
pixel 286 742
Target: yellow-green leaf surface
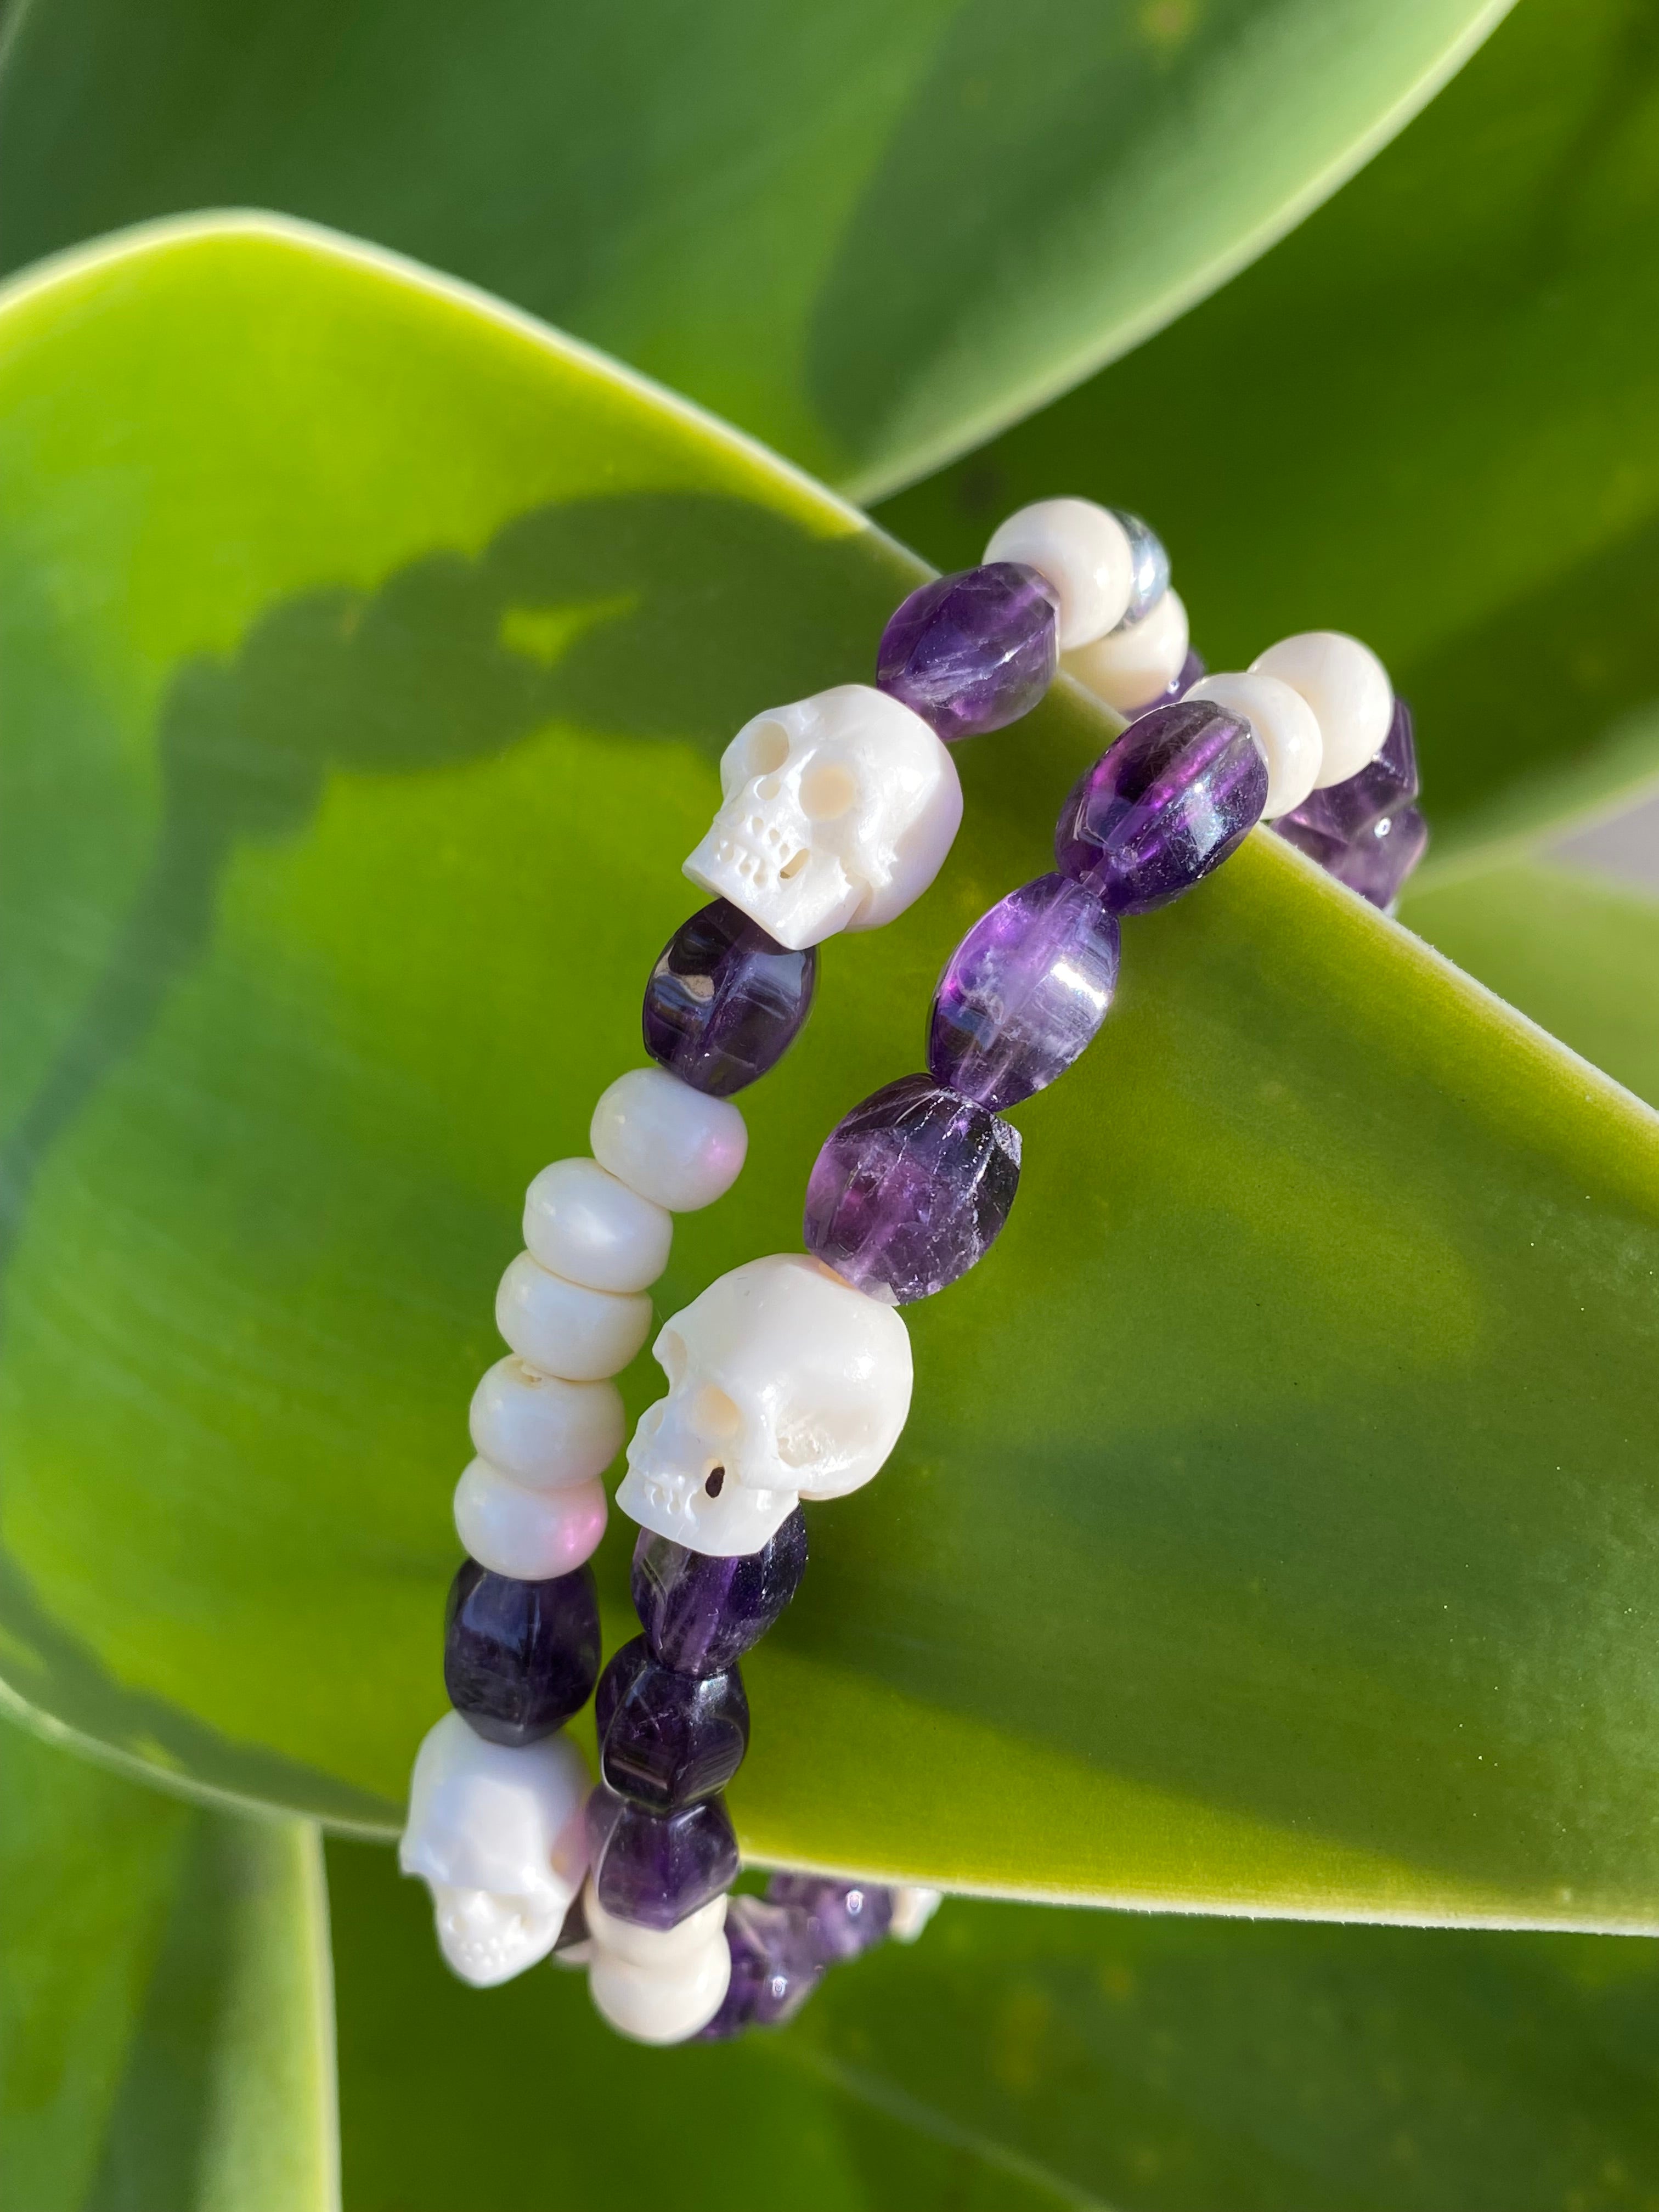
pixel 166 2020
pixel 1276 1526
pixel 1020 2059
pixel 1430 418
pixel 870 231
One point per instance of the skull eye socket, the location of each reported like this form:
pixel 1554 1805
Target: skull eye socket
pixel 715 1414
pixel 766 748
pixel 827 790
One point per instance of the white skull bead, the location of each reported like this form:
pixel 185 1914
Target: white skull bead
pixel 838 813
pixel 784 1382
pixel 495 1832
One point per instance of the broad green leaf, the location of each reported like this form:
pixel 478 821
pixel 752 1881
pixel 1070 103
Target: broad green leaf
pixel 871 231
pixel 1020 2059
pixel 1429 417
pixel 1275 1526
pixel 167 2029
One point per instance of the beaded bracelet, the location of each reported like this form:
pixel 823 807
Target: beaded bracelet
pixel 790 1377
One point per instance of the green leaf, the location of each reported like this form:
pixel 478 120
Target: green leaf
pixel 1429 417
pixel 871 232
pixel 1275 1527
pixel 166 1999
pixel 1021 2060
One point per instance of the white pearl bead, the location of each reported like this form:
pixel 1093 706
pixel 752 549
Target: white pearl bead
pixel 544 1432
pixel 566 1329
pixel 914 1906
pixel 530 1534
pixel 660 2006
pixel 1286 729
pixel 659 1948
pixel 1131 666
pixel 667 1141
pixel 1347 686
pixel 582 1224
pixel 1084 551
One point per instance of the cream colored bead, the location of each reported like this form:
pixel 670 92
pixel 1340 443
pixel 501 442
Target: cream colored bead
pixel 1084 551
pixel 659 1948
pixel 1348 689
pixel 529 1535
pixel 544 1432
pixel 1132 666
pixel 671 1143
pixel 914 1906
pixel 667 2005
pixel 581 1222
pixel 566 1329
pixel 1286 729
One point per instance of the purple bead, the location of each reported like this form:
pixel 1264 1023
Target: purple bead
pixel 970 652
pixel 842 1918
pixel 1191 669
pixel 701 1615
pixel 775 1968
pixel 519 1658
pixel 1384 785
pixel 1024 993
pixel 667 1739
pixel 911 1188
pixel 1377 862
pixel 725 1001
pixel 653 1868
pixel 1163 806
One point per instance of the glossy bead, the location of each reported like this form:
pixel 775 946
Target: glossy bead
pixel 1384 786
pixel 775 1968
pixel 1085 552
pixel 654 1946
pixel 842 1918
pixel 544 1432
pixel 1163 806
pixel 1191 669
pixel 1150 566
pixel 971 652
pixel 1286 729
pixel 675 1146
pixel 914 1906
pixel 660 2004
pixel 566 1329
pixel 582 1224
pixel 530 1534
pixel 653 1868
pixel 1347 686
pixel 1131 666
pixel 701 1615
pixel 1377 862
pixel 1024 993
pixel 725 1001
pixel 911 1189
pixel 667 1739
pixel 520 1657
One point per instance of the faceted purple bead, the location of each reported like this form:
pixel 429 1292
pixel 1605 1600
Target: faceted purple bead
pixel 1384 785
pixel 1377 862
pixel 653 1868
pixel 970 652
pixel 519 1658
pixel 775 1968
pixel 842 1918
pixel 701 1615
pixel 725 1001
pixel 667 1739
pixel 911 1189
pixel 1024 993
pixel 1191 669
pixel 1163 806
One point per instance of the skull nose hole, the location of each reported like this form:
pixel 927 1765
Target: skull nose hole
pixel 715 1482
pixel 793 867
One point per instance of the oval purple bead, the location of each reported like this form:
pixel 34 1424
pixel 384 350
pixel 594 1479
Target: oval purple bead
pixel 519 1658
pixel 1163 806
pixel 1386 785
pixel 1191 669
pixel 971 652
pixel 701 1615
pixel 725 1001
pixel 775 1968
pixel 1024 993
pixel 667 1739
pixel 842 1918
pixel 653 1868
pixel 911 1189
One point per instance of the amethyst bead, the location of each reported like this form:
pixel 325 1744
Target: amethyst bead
pixel 653 1868
pixel 701 1615
pixel 1384 785
pixel 1024 993
pixel 1377 862
pixel 725 1001
pixel 1163 806
pixel 667 1739
pixel 519 1658
pixel 775 1968
pixel 911 1188
pixel 842 1918
pixel 1191 669
pixel 970 652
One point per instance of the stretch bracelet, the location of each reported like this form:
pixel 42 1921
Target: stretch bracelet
pixel 789 1378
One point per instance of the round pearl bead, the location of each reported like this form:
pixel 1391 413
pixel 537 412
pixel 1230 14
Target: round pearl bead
pixel 582 1224
pixel 659 1948
pixel 1085 552
pixel 653 2004
pixel 530 1535
pixel 1348 689
pixel 1130 667
pixel 566 1329
pixel 1285 726
pixel 677 1146
pixel 544 1432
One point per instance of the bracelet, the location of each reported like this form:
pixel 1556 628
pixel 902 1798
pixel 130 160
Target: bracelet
pixel 789 1378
